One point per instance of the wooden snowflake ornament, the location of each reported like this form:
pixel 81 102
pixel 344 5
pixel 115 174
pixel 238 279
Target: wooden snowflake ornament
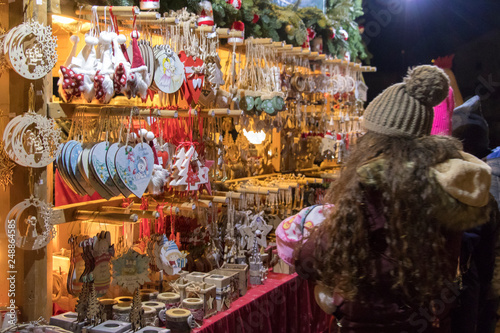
pixel 30 49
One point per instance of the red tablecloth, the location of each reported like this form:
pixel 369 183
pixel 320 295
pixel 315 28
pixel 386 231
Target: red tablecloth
pixel 284 304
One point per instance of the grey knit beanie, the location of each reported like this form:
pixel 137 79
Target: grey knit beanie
pixel 406 109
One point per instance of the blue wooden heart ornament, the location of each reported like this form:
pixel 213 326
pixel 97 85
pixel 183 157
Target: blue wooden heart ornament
pixel 98 159
pixel 110 163
pixel 135 167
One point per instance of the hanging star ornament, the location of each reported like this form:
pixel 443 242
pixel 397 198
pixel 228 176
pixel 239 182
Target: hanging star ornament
pixel 6 167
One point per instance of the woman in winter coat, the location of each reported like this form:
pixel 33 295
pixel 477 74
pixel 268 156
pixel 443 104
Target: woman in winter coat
pixel 385 254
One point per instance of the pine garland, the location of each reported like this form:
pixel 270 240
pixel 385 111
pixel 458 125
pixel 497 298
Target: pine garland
pixel 284 23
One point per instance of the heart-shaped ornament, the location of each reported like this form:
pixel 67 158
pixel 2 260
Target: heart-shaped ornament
pixel 93 178
pixel 110 163
pixel 98 163
pixel 135 167
pixel 66 167
pixel 74 170
pixel 194 77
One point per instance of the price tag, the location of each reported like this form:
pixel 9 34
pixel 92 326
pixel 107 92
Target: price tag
pixel 39 2
pixel 160 160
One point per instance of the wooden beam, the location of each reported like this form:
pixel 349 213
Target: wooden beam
pixel 123 11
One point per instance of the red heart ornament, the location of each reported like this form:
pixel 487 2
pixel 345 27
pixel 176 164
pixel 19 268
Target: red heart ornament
pixel 194 81
pixel 163 157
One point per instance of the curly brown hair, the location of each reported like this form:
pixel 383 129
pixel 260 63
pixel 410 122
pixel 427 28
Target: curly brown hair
pixel 415 240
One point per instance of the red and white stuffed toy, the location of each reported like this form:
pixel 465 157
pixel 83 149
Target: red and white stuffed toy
pixel 121 65
pixel 68 87
pixel 139 77
pixel 103 81
pixel 207 14
pixel 77 73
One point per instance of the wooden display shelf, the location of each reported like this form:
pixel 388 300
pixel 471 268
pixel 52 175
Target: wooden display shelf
pixel 67 110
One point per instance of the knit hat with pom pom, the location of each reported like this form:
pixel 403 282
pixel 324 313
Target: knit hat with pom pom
pixel 406 109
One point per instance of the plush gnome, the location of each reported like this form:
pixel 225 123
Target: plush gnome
pixel 122 66
pixel 86 65
pixel 237 26
pixel 206 15
pixel 139 77
pixel 103 81
pixel 70 83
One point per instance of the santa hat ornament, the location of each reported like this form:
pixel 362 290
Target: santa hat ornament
pixel 206 15
pixel 237 26
pixel 138 78
pixel 235 3
pixel 149 4
pixel 329 135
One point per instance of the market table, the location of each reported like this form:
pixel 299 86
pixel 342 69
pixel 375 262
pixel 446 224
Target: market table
pixel 284 304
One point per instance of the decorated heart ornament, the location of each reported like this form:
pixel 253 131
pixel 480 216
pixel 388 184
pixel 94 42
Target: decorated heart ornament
pixel 135 167
pixel 194 76
pixel 98 163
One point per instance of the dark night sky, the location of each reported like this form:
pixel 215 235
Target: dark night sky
pixel 424 30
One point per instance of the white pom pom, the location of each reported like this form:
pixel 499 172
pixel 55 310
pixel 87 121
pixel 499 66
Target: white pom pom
pixel 74 39
pixel 91 40
pixel 135 34
pixel 142 132
pixel 150 136
pixel 105 37
pixel 121 39
pixel 132 137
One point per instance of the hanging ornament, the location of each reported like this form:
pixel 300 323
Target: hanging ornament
pixel 149 4
pixel 310 36
pixel 103 82
pixel 237 26
pixel 130 270
pixel 289 29
pixel 169 74
pixel 333 32
pixel 235 3
pixel 121 65
pixel 343 34
pixel 169 258
pixel 138 79
pixel 102 252
pixel 32 140
pixel 194 70
pixel 206 16
pixel 255 18
pixel 30 49
pixel 30 232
